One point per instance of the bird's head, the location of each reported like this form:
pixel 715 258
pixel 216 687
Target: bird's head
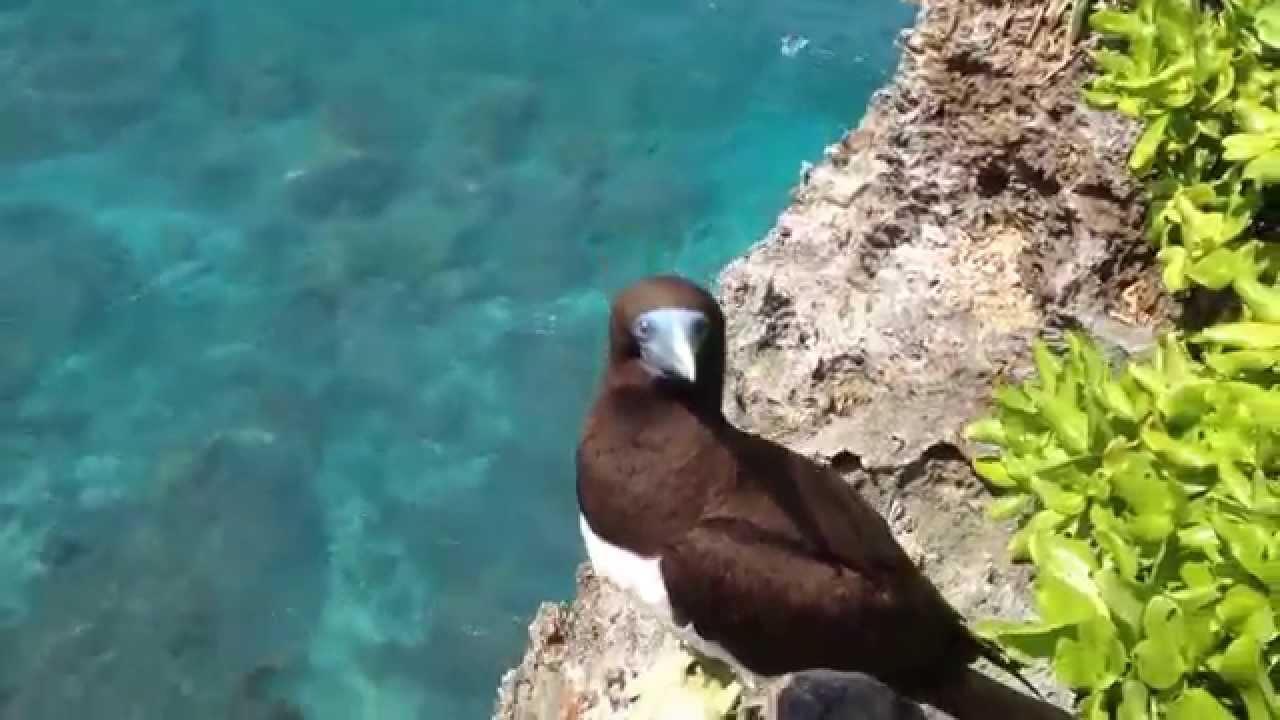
pixel 674 330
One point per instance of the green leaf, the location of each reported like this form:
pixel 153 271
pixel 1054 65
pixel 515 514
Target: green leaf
pixel 1253 547
pixel 1115 399
pixel 1048 366
pixel 1186 402
pixel 1026 642
pixel 1203 634
pixel 1267 24
pixel 1241 662
pixel 1251 335
pixel 1158 658
pixel 1113 22
pixel 1144 152
pixel 1011 398
pixel 1262 625
pixel 1093 659
pixel 1197 704
pixel 1263 300
pixel 1173 260
pixel 1114 63
pixel 1094 706
pixel 1215 270
pixel 1101 99
pixel 1246 146
pixel 1255 702
pixel 1057 499
pixel 994 472
pixel 1265 168
pixel 1065 590
pixel 1179 452
pixel 1008 506
pixel 988 430
pixel 1044 521
pixel 1238 605
pixel 1135 702
pixel 1122 599
pixel 1069 423
pixel 1134 480
pixel 1148 378
pixel 1230 364
pixel 1200 537
pixel 1255 117
pixel 1151 527
pixel 1235 482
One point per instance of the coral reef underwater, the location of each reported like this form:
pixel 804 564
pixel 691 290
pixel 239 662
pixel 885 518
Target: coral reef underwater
pixel 299 311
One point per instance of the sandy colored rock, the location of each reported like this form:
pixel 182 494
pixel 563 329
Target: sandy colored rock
pixel 979 205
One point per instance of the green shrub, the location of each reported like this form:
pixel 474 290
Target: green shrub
pixel 1147 509
pixel 1202 84
pixel 1147 497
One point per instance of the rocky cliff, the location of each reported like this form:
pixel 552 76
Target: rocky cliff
pixel 978 205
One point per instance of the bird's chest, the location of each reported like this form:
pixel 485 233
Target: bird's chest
pixel 642 488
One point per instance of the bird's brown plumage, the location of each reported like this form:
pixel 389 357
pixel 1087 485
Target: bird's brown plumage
pixel 823 582
pixel 766 552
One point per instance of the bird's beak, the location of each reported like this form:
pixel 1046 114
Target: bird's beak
pixel 672 346
pixel 683 362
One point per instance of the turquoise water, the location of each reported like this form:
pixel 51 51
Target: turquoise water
pixel 302 302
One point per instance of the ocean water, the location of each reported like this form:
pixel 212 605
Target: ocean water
pixel 301 305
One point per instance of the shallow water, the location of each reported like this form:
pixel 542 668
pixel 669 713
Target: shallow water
pixel 301 305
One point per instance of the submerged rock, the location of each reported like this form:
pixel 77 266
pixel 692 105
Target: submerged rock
pixel 978 204
pixel 60 272
pixel 159 611
pixel 81 73
pixel 498 118
pixel 354 184
pixel 270 86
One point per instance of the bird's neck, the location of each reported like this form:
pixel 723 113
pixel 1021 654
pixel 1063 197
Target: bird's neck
pixel 702 400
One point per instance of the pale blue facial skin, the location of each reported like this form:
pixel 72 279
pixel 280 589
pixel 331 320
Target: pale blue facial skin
pixel 669 340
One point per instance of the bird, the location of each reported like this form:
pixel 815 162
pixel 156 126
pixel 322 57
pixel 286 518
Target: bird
pixel 755 554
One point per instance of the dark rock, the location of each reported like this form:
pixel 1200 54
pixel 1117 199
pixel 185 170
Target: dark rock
pixel 828 695
pixel 63 550
pixel 224 177
pixel 371 115
pixel 28 131
pixel 220 569
pixel 356 184
pixel 89 77
pixel 498 120
pixel 60 273
pixel 274 87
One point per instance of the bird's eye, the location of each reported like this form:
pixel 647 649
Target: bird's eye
pixel 643 328
pixel 699 327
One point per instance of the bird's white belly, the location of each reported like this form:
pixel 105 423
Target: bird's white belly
pixel 643 576
pixel 629 571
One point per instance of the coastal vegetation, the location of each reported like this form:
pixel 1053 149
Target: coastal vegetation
pixel 1146 491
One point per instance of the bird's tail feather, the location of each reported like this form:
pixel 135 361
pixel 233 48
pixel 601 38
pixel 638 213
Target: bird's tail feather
pixel 972 695
pixel 992 652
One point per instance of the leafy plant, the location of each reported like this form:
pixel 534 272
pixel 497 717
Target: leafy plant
pixel 1147 502
pixel 1148 498
pixel 1202 84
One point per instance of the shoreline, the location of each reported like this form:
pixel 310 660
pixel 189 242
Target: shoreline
pixel 978 204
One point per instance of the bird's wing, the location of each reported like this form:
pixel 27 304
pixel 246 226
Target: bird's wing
pixel 778 608
pixel 809 502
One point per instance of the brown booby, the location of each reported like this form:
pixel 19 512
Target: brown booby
pixel 763 557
